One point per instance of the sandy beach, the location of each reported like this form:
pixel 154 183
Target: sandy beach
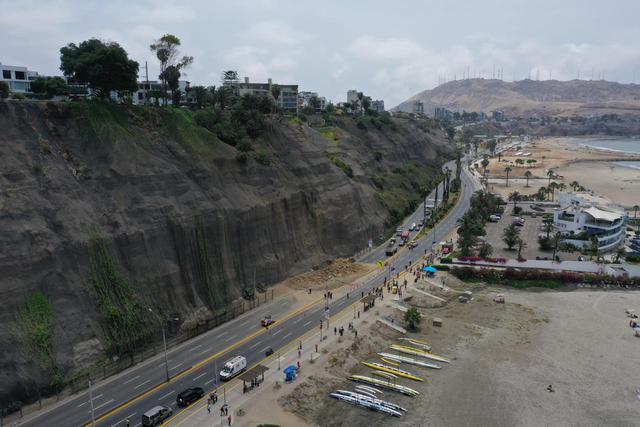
pixel 597 170
pixel 503 359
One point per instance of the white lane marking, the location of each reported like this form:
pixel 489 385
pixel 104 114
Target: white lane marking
pixel 200 376
pixel 204 351
pixel 195 347
pixel 141 384
pixel 168 394
pixel 95 397
pixel 162 364
pixel 210 381
pixel 230 338
pixel 255 345
pixel 179 364
pixel 288 335
pixel 264 349
pixel 100 406
pixel 277 332
pixel 128 417
pixel 307 324
pixel 223 334
pixel 131 380
pixel 297 320
pixel 137 425
pixel 244 323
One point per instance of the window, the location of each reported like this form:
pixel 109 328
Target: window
pixel 6 74
pixel 140 96
pixel 20 75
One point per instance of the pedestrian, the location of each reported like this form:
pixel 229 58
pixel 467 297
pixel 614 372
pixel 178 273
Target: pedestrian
pixel 299 353
pixel 362 294
pixel 335 331
pixel 209 400
pixel 356 332
pixel 215 397
pixel 229 419
pixel 298 365
pixel 127 422
pixel 226 410
pixel 347 295
pixel 209 407
pixel 222 411
pixel 358 314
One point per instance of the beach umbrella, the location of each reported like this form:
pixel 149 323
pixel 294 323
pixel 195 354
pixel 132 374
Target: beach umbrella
pixel 430 269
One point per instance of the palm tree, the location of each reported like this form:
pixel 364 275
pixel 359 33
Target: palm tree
pixel 574 185
pixel 543 157
pixel 507 170
pixel 514 197
pixel 485 163
pixel 635 211
pixel 520 162
pixel 552 189
pixel 550 174
pixel 527 175
pixel 561 186
pixel 412 318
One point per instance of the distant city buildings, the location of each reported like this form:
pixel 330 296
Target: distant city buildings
pixel 443 114
pixel 418 108
pixel 377 105
pixel 498 116
pixel 352 96
pixel 18 78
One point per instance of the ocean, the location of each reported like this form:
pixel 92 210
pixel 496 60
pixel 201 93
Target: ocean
pixel 621 145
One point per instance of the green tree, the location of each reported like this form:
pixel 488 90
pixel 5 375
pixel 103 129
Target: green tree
pixel 574 185
pixel 514 197
pixel 200 94
pixel 491 145
pixel 4 90
pixel 104 66
pixel 550 174
pixel 511 236
pixel 520 162
pixel 166 50
pixel 485 250
pixel 507 170
pixel 527 175
pixel 557 240
pixel 552 190
pixel 412 318
pixel 521 245
pixel 485 163
pixel 466 240
pixel 50 86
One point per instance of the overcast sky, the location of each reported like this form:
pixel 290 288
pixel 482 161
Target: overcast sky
pixel 388 49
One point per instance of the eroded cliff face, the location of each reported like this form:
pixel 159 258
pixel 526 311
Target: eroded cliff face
pixel 186 224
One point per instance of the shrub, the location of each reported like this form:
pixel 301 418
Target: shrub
pixel 4 90
pixel 360 124
pixel 342 165
pixel 17 95
pixel 262 157
pixel 244 145
pixel 242 157
pixel 248 293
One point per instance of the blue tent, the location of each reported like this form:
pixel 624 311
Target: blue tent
pixel 430 269
pixel 290 373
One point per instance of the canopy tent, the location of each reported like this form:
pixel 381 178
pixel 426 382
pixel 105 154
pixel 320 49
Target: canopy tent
pixel 430 269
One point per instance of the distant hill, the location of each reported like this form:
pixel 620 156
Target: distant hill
pixel 530 97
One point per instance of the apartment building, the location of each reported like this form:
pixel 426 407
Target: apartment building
pixel 304 99
pixel 377 105
pixel 418 108
pixel 287 100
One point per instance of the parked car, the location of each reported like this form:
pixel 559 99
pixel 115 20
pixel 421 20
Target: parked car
pixel 413 227
pixel 156 415
pixel 412 244
pixel 518 221
pixel 398 231
pixel 536 207
pixel 402 242
pixel 542 258
pixel 494 218
pixel 188 396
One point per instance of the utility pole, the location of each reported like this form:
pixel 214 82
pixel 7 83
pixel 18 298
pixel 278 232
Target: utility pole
pixel 146 92
pixel 166 362
pixel 93 418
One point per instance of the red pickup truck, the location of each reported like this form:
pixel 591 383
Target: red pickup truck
pixel 404 235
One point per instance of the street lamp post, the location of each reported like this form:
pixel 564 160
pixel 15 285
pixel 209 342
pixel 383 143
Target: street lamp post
pixel 93 418
pixel 164 343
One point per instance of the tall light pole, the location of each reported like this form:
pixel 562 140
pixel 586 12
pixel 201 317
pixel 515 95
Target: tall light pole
pixel 93 418
pixel 164 343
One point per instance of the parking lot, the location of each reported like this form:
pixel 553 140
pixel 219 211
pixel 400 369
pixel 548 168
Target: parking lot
pixel 529 233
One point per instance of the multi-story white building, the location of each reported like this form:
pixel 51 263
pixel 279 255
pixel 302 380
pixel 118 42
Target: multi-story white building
pixel 147 90
pixel 18 78
pixel 352 96
pixel 583 217
pixel 287 99
pixel 377 105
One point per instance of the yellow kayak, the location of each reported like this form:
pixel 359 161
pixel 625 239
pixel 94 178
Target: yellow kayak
pixel 392 370
pixel 418 352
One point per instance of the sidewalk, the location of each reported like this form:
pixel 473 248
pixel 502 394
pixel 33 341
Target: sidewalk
pixel 256 406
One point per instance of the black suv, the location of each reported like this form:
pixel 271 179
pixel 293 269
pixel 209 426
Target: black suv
pixel 189 396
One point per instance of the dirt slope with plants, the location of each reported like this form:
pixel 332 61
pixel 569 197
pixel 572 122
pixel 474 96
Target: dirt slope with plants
pixel 107 210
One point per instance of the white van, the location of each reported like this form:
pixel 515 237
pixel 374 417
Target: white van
pixel 233 367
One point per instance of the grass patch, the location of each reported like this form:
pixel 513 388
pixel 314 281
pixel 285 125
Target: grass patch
pixel 342 165
pixel 330 133
pixel 178 123
pixel 518 284
pixel 102 122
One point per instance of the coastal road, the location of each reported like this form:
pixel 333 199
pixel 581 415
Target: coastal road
pixel 195 363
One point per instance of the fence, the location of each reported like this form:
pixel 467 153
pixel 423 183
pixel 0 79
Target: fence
pixel 109 367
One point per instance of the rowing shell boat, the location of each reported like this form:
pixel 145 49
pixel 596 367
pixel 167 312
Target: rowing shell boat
pixel 409 360
pixel 417 352
pixel 375 399
pixel 420 344
pixel 366 402
pixel 385 384
pixel 392 370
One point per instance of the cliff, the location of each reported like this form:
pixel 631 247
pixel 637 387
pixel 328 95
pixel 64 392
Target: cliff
pixel 107 210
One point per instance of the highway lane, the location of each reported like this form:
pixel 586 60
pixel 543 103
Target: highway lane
pixel 205 351
pixel 120 388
